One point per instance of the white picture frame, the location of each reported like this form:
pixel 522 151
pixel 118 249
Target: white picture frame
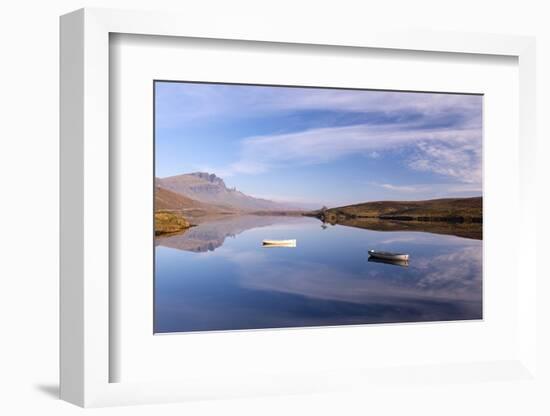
pixel 85 199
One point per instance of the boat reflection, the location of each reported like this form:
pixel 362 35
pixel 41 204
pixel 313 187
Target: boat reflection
pixel 210 233
pixel 402 263
pixel 237 284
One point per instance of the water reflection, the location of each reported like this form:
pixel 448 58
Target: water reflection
pixel 211 232
pixel 326 280
pixel 401 263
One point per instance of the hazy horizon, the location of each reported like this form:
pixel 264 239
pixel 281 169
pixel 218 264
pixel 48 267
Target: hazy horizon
pixel 313 147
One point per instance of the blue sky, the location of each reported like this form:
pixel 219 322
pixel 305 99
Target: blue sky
pixel 312 146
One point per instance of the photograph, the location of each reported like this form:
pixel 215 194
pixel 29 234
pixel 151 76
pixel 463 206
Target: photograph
pixel 309 206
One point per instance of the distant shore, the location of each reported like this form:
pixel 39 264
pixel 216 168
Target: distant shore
pixel 457 216
pixel 456 210
pixel 462 217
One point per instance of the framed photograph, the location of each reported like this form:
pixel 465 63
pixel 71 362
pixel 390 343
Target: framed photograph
pixel 371 202
pixel 267 212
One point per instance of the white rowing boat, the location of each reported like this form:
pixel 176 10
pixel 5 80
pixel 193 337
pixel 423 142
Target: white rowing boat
pixel 279 243
pixel 386 255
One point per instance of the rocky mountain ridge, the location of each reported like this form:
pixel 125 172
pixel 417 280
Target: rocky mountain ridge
pixel 208 188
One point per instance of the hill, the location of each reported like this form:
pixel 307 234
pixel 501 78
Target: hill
pixel 447 209
pixel 208 188
pixel 169 200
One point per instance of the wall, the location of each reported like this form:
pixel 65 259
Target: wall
pixel 29 172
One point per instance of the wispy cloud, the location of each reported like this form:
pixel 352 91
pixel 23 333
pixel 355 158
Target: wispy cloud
pixel 184 101
pixel 400 188
pixel 426 133
pixel 432 190
pixel 453 152
pixel 460 159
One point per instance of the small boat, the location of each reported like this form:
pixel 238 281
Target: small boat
pixel 279 243
pixel 386 255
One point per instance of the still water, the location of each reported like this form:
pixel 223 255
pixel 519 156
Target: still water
pixel 217 276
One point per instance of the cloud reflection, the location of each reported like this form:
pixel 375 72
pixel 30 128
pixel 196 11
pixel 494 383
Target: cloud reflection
pixel 327 280
pixel 452 279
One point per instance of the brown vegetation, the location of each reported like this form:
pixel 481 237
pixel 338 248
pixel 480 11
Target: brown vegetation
pixel 166 199
pixel 447 210
pixel 167 222
pixel 462 217
pixel 460 229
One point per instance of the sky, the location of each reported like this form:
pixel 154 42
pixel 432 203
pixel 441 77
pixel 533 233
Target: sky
pixel 317 146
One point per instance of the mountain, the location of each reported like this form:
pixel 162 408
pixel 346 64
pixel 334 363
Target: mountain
pixel 166 199
pixel 169 200
pixel 447 209
pixel 208 188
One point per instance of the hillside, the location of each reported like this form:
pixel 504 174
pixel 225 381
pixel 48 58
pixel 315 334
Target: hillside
pixel 166 199
pixel 169 200
pixel 210 189
pixel 448 209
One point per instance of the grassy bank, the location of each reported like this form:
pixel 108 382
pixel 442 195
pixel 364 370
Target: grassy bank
pixel 167 222
pixel 460 210
pixel 462 217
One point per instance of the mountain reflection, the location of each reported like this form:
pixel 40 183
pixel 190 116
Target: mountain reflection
pixel 326 280
pixel 211 232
